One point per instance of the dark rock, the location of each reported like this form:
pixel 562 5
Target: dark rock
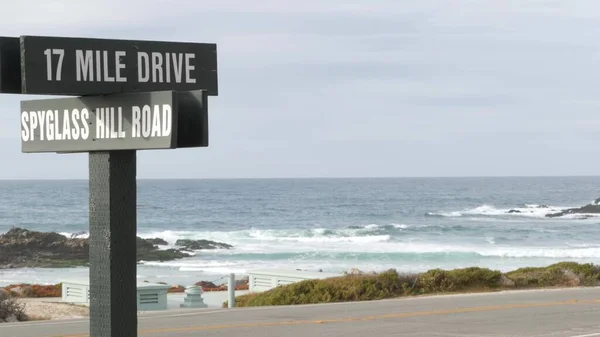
pixel 21 248
pixel 157 241
pixel 201 244
pixel 589 209
pixel 506 282
pixel 514 211
pixel 146 251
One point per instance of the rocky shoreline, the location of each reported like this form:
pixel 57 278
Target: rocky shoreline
pixel 592 208
pixel 22 248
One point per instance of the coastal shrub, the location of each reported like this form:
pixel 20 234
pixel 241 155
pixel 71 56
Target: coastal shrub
pixel 10 309
pixel 336 289
pixel 475 278
pixel 588 273
pixel 391 284
pixel 558 274
pixel 472 278
pixel 436 280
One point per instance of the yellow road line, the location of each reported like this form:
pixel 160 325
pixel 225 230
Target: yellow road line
pixel 356 319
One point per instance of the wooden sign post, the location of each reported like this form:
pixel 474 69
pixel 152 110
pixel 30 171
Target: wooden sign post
pixel 133 95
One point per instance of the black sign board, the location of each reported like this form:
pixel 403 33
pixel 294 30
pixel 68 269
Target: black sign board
pixel 89 66
pixel 192 115
pixel 100 123
pixel 10 65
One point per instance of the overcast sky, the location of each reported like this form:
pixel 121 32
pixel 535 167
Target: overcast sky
pixel 355 88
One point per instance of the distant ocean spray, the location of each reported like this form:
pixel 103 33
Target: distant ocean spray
pixel 330 224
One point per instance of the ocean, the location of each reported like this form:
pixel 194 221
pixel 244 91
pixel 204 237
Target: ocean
pixel 334 225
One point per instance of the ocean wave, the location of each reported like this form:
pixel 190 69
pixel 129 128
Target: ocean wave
pixel 413 255
pixel 527 210
pixel 386 241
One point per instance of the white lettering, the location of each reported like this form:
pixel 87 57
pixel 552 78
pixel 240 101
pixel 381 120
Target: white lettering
pixel 66 125
pixel 143 62
pixel 113 132
pixel 178 66
pixel 34 123
pixel 85 114
pixel 25 129
pixel 50 125
pixel 157 70
pixel 135 121
pixel 61 56
pixel 168 70
pixel 40 118
pixel 84 65
pixel 158 67
pixel 121 133
pixel 167 120
pixel 107 77
pixel 156 122
pixel 146 121
pixel 100 126
pixel 59 135
pixel 152 120
pixel 189 68
pixel 76 127
pixel 119 65
pixel 98 67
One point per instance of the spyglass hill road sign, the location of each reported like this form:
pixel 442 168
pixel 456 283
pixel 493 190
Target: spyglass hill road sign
pixel 96 123
pixel 85 66
pixel 136 121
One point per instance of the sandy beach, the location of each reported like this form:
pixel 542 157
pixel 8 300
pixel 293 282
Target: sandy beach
pixel 52 309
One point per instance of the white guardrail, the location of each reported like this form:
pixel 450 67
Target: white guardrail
pixel 153 296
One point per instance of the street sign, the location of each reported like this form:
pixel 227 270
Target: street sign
pixel 90 66
pixel 10 65
pixel 133 95
pixel 100 123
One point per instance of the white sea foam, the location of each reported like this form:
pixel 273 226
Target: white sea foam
pixel 373 238
pixel 377 246
pixel 530 210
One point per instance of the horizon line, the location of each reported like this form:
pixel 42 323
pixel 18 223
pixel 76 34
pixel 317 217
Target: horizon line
pixel 318 177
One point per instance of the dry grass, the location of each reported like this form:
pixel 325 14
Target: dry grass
pixel 10 308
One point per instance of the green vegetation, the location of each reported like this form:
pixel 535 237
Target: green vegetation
pixel 560 274
pixel 391 284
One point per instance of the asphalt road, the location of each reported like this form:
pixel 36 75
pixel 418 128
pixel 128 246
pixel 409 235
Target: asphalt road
pixel 548 313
